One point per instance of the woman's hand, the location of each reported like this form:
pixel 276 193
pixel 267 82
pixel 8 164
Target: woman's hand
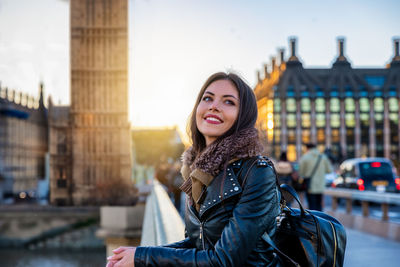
pixel 123 256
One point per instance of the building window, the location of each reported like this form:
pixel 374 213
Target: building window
pixel 305 136
pixel 291 152
pixel 393 104
pixel 392 91
pixel 364 104
pixel 334 93
pixel 305 120
pixel 290 91
pixel 291 120
pixel 61 149
pixel 319 105
pixel 363 92
pixel 349 104
pixel 320 135
pixel 277 105
pixel 277 136
pixel 62 178
pixel 319 91
pixel 277 120
pixel 320 120
pixel 350 143
pixel 393 117
pixel 335 120
pixel 291 136
pixel 335 136
pixel 305 94
pixel 277 151
pixel 350 120
pixel 375 81
pixel 379 117
pixel 335 105
pixel 291 105
pixel 305 105
pixel 349 93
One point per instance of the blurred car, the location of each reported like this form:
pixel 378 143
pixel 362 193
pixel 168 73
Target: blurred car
pixel 371 174
pixel 330 178
pixel 25 196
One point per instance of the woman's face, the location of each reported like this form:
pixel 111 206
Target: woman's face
pixel 217 110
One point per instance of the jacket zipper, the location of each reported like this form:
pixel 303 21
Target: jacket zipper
pixel 202 235
pixel 334 236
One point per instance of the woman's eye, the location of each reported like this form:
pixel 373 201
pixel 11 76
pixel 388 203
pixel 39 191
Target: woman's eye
pixel 230 102
pixel 207 98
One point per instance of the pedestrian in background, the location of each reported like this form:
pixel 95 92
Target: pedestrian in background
pixel 284 170
pixel 232 196
pixel 313 167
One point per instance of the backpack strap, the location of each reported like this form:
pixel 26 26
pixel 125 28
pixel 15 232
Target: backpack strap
pixel 315 166
pixel 270 242
pixel 265 236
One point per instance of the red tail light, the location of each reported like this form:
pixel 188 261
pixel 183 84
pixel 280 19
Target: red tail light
pixel 375 164
pixel 360 183
pixel 397 181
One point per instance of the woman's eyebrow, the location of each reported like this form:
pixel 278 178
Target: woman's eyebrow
pixel 229 96
pixel 208 92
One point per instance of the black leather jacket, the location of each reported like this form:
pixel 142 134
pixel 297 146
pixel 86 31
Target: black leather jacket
pixel 227 229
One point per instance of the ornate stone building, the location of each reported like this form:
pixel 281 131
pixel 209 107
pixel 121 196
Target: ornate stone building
pixel 352 112
pixel 60 147
pixel 23 144
pixel 97 145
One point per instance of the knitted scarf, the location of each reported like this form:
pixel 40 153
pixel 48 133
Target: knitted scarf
pixel 198 170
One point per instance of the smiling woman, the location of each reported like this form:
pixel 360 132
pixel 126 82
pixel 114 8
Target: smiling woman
pixel 232 195
pixel 217 110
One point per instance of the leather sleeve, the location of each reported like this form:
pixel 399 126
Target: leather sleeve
pixel 254 213
pixel 185 243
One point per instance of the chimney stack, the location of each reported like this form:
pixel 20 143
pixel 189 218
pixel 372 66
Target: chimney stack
pixel 273 63
pixel 341 56
pixel 341 60
pixel 341 46
pixel 41 95
pixel 266 74
pixel 293 46
pixel 396 42
pixel 258 77
pixel 293 57
pixel 282 55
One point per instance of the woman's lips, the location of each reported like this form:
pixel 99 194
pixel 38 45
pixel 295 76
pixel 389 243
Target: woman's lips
pixel 213 119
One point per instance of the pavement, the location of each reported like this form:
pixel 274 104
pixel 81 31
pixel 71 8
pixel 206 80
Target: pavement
pixel 369 250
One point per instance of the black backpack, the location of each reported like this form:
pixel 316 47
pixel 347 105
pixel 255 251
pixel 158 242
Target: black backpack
pixel 307 237
pixel 304 237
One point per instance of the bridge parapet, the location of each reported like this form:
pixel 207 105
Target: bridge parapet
pixel 162 223
pixel 382 227
pixel 128 226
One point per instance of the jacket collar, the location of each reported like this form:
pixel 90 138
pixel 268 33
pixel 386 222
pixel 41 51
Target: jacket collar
pixel 221 189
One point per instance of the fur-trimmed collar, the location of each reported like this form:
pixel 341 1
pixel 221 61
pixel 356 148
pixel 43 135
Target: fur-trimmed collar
pixel 242 145
pixel 198 170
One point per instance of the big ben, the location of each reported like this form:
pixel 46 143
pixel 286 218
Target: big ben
pixel 99 124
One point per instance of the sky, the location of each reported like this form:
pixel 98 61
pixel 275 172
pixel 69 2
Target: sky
pixel 175 45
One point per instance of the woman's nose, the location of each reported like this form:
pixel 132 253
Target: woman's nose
pixel 214 105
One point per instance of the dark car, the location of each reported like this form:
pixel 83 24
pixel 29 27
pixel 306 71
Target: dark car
pixel 371 174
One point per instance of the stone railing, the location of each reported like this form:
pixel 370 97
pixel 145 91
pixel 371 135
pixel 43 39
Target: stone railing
pixel 382 227
pixel 162 223
pixel 153 224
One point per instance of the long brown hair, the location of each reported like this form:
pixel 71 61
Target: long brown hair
pixel 247 116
